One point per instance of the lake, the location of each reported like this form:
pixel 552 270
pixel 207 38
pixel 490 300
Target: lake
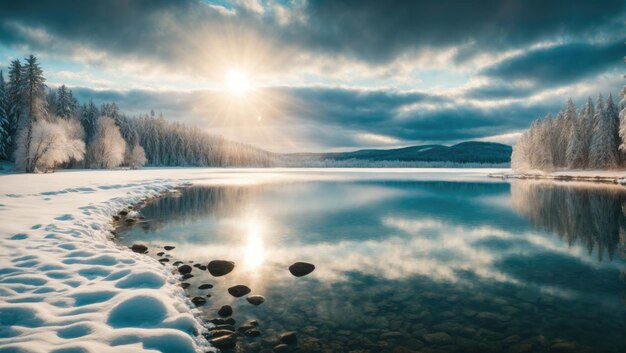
pixel 431 264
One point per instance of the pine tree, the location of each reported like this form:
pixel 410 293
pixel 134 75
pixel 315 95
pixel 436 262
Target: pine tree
pixel 5 139
pixel 603 149
pixel 89 119
pixel 14 103
pixel 33 91
pixel 612 115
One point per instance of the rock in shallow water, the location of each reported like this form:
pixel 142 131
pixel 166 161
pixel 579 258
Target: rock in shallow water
pixel 184 269
pixel 300 269
pixel 198 301
pixel 288 338
pixel 205 286
pixel 255 299
pixel 139 248
pixel 220 267
pixel 169 247
pixel 239 290
pixel 224 342
pixel 225 311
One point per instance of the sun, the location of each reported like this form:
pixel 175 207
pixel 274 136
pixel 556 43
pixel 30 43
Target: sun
pixel 238 82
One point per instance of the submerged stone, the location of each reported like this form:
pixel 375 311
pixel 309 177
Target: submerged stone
pixel 300 269
pixel 198 301
pixel 224 342
pixel 184 269
pixel 220 267
pixel 139 248
pixel 239 290
pixel 225 311
pixel 288 338
pixel 255 299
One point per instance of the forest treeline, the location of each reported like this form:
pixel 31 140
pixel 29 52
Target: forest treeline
pixel 42 129
pixel 592 137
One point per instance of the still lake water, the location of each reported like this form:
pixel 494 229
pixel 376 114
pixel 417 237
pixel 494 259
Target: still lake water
pixel 403 266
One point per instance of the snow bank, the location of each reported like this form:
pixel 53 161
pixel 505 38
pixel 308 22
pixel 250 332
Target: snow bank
pixel 64 287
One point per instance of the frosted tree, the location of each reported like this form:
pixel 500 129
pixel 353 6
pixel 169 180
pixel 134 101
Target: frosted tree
pixel 51 143
pixel 575 157
pixel 137 157
pixel 5 139
pixel 622 122
pixel 33 92
pixel 14 102
pixel 108 146
pixel 89 119
pixel 66 105
pixel 603 150
pixel 612 115
pixel 586 116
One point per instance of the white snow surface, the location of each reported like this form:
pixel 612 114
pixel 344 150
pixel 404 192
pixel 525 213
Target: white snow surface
pixel 66 288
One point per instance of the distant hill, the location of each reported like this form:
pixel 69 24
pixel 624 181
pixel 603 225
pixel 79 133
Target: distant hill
pixel 465 152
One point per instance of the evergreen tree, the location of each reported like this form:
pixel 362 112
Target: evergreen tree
pixel 33 91
pixel 612 114
pixel 89 119
pixel 14 103
pixel 603 148
pixel 5 139
pixel 66 105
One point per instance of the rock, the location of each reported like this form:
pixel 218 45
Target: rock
pixel 187 276
pixel 563 347
pixel 220 267
pixel 205 286
pixel 225 311
pixel 169 247
pixel 252 323
pixel 196 265
pixel 164 260
pixel 288 338
pixel 438 338
pixel 202 267
pixel 177 263
pixel 198 301
pixel 208 295
pixel 520 348
pixel 123 213
pixel 281 348
pixel 129 220
pixel 184 269
pixel 300 269
pixel 220 333
pixel 245 327
pixel 224 327
pixel 253 333
pixel 255 299
pixel 139 248
pixel 116 218
pixel 160 253
pixel 185 285
pixel 238 291
pixel 224 342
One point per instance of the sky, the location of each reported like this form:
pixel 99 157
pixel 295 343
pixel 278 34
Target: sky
pixel 307 75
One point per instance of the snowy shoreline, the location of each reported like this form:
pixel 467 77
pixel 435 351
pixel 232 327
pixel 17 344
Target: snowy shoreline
pixel 66 286
pixel 595 176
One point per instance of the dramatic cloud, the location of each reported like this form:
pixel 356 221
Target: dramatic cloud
pixel 328 74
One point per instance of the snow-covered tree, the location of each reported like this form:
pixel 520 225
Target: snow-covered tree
pixel 89 119
pixel 5 139
pixel 603 150
pixel 13 103
pixel 612 115
pixel 51 144
pixel 137 157
pixel 108 146
pixel 66 105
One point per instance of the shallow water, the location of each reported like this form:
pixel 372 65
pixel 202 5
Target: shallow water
pixel 401 266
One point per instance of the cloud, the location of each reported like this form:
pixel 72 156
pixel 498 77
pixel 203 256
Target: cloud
pixel 561 64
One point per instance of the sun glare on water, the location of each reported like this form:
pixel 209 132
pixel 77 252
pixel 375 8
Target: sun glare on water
pixel 238 82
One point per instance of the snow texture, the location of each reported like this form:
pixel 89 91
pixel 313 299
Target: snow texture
pixel 64 287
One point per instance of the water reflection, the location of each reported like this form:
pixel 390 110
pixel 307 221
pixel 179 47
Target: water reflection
pixel 586 214
pixel 397 261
